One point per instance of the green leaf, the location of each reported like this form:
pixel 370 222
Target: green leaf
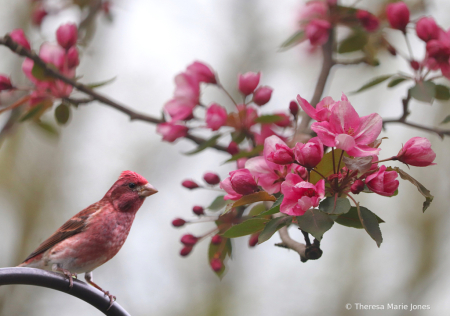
pixel 442 92
pixel 247 227
pixel 218 203
pixel 424 191
pixel 39 73
pixel 101 83
pixel 372 83
pixel 48 128
pixel 332 205
pixel 293 40
pixel 254 152
pixel 370 223
pixel 257 209
pixel 446 120
pixel 424 91
pixel 325 166
pixel 254 197
pixel 33 112
pixel 275 207
pixel 62 114
pixel 395 82
pixel 272 227
pixel 210 142
pixel 353 43
pixel 315 222
pixel 266 119
pixel 351 219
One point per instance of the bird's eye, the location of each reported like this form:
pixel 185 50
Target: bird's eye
pixel 131 185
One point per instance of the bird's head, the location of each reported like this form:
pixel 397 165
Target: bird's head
pixel 129 191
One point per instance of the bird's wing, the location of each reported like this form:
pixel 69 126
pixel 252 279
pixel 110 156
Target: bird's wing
pixel 73 226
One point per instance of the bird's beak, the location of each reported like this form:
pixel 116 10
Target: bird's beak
pixel 146 190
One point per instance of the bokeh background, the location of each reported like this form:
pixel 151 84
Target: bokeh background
pixel 44 180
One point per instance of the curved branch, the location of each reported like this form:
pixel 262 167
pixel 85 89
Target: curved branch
pixel 56 281
pixel 290 243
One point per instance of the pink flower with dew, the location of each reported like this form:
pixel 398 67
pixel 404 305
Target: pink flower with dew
pixel 202 72
pixel 417 152
pixel 299 195
pixel 216 116
pixel 383 182
pixel 347 131
pixel 171 131
pixel 232 195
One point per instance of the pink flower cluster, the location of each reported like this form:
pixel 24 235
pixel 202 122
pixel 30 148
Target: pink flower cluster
pixel 314 20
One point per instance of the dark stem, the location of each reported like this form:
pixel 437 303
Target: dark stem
pixel 306 235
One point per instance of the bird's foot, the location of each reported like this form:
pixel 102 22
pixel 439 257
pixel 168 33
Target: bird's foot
pixel 112 298
pixel 69 275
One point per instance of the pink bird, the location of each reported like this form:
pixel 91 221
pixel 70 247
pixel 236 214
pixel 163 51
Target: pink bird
pixel 94 235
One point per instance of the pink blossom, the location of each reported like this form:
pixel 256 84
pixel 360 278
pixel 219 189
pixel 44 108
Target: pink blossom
pixel 317 32
pixel 243 182
pixel 5 83
pixel 202 72
pixel 262 95
pixel 427 29
pixel 248 82
pixel 321 112
pixel 233 148
pixel 73 59
pixel 19 37
pixel 310 154
pixel 179 109
pixel 240 163
pixel 284 121
pixel 171 131
pixel 398 15
pixel 282 155
pixel 232 195
pixel 369 21
pixel 293 108
pixel 187 88
pixel 357 186
pixel 266 131
pixel 313 10
pixel 38 14
pixel 67 35
pixel 299 195
pixel 383 182
pixel 216 117
pixel 347 131
pixel 417 152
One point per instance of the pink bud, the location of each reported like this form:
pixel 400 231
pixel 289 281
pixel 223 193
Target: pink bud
pixel 211 178
pixel 73 59
pixel 189 184
pixel 216 264
pixel 178 222
pixel 38 14
pixel 369 21
pixel 282 155
pixel 310 154
pixel 19 37
pixel 293 108
pixel 171 131
pixel 198 210
pixel 186 250
pixel 357 186
pixel 233 148
pixel 398 15
pixel 317 32
pixel 285 120
pixel 189 240
pixel 253 241
pixel 383 182
pixel 262 95
pixel 202 72
pixel 248 82
pixel 240 163
pixel 216 239
pixel 427 29
pixel 414 64
pixel 243 182
pixel 216 117
pixel 67 35
pixel 5 83
pixel 417 152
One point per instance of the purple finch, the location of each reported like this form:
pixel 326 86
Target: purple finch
pixel 94 235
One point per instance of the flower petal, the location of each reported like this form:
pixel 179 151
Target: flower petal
pixel 369 129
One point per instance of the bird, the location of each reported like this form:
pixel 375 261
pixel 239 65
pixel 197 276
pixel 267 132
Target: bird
pixel 94 235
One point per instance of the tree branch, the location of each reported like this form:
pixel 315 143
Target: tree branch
pixel 20 50
pixel 57 281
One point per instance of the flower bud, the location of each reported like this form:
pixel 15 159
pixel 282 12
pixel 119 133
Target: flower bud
pixel 202 72
pixel 171 131
pixel 216 239
pixel 198 210
pixel 357 186
pixel 369 21
pixel 293 108
pixel 5 83
pixel 178 222
pixel 398 15
pixel 19 37
pixel 216 264
pixel 262 95
pixel 216 117
pixel 242 182
pixel 310 154
pixel 427 29
pixel 417 152
pixel 38 14
pixel 284 121
pixel 186 250
pixel 317 32
pixel 67 35
pixel 414 64
pixel 189 240
pixel 383 182
pixel 233 148
pixel 282 155
pixel 253 241
pixel 189 184
pixel 240 163
pixel 73 59
pixel 211 178
pixel 248 82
